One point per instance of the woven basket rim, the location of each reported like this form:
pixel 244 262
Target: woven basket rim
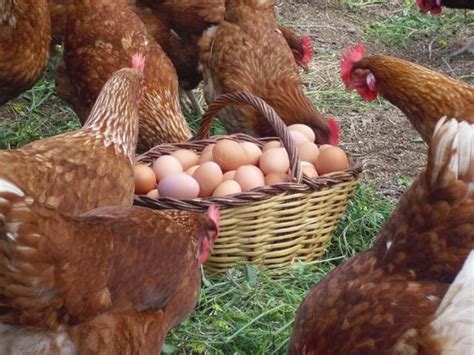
pixel 201 140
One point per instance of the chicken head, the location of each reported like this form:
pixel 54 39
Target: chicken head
pixel 210 227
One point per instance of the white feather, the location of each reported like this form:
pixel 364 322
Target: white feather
pixel 6 186
pixel 454 320
pixel 453 140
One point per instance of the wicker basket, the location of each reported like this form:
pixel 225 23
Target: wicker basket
pixel 271 226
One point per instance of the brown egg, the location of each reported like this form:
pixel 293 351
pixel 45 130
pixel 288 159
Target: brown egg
pixel 274 160
pixel 270 145
pixel 186 157
pixel 331 159
pixel 308 169
pixel 166 165
pixel 249 177
pixel 145 179
pixel 309 152
pixel 308 132
pixel 192 169
pixel 228 187
pixel 206 154
pixel 153 194
pixel 208 176
pixel 229 154
pixel 229 175
pixel 299 137
pixel 253 152
pixel 178 185
pixel 276 178
pixel 324 146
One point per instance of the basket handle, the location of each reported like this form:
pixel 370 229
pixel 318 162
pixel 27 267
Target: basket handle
pixel 267 111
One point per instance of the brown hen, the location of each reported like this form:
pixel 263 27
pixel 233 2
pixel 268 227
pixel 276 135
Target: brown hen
pixel 384 300
pixel 92 167
pixel 422 94
pixel 90 39
pixel 25 35
pixel 247 52
pixel 104 282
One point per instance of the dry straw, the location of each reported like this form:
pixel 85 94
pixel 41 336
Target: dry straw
pixel 271 226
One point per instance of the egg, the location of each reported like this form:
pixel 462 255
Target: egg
pixel 192 169
pixel 186 157
pixel 276 178
pixel 178 185
pixel 253 152
pixel 308 169
pixel 229 154
pixel 298 137
pixel 249 177
pixel 324 146
pixel 145 179
pixel 206 154
pixel 153 194
pixel 309 152
pixel 228 187
pixel 270 145
pixel 307 131
pixel 166 165
pixel 331 159
pixel 208 176
pixel 229 175
pixel 274 160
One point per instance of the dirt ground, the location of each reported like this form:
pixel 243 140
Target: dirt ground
pixel 381 136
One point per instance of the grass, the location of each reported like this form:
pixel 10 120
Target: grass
pixel 250 311
pixel 408 24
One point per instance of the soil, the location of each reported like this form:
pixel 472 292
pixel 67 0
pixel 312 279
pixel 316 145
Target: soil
pixel 391 150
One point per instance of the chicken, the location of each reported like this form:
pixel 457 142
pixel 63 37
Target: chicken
pixel 101 281
pixel 92 167
pixel 90 39
pixel 434 6
pixel 178 25
pixel 383 300
pixel 246 52
pixel 422 94
pixel 25 35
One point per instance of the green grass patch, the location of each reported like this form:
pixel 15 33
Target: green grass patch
pixel 408 24
pixel 251 311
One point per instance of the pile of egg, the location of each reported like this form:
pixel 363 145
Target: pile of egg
pixel 230 167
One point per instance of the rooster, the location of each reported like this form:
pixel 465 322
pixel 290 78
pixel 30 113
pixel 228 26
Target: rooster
pixel 402 295
pixel 115 279
pixel 247 52
pixel 25 35
pixel 422 94
pixel 90 39
pixel 89 168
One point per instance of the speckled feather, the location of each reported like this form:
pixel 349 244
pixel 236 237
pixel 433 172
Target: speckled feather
pixel 248 53
pixel 25 35
pixel 90 39
pixel 92 167
pixel 424 95
pixel 382 301
pixel 102 277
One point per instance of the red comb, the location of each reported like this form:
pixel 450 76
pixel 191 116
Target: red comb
pixel 138 62
pixel 334 128
pixel 349 57
pixel 308 54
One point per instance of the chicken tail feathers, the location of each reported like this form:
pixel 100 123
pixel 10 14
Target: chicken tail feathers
pixel 26 280
pixel 451 155
pixel 453 326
